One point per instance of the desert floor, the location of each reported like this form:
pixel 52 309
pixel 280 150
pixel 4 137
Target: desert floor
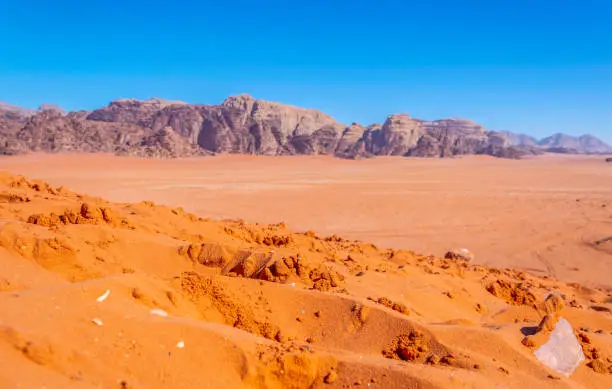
pixel 102 288
pixel 541 214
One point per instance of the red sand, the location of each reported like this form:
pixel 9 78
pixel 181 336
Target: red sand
pixel 540 214
pixel 259 306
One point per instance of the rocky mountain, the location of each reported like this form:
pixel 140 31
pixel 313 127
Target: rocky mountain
pixel 568 144
pixel 560 143
pixel 7 109
pixel 165 143
pixel 245 125
pixel 590 144
pixel 520 139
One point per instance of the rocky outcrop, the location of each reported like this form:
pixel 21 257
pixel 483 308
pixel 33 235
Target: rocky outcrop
pixel 560 141
pixel 352 144
pixel 450 137
pixel 520 140
pixel 590 144
pixel 398 135
pixel 51 131
pixel 51 107
pixel 585 144
pixel 131 111
pixel 14 110
pixel 244 125
pixel 165 143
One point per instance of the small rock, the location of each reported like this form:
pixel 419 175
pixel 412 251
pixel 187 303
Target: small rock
pixel 554 303
pixel 528 341
pixel 159 312
pixel 137 293
pixel 598 366
pixel 463 254
pixel 584 338
pixel 601 309
pixel 104 296
pixel 97 322
pixel 331 377
pixel 448 360
pixel 433 360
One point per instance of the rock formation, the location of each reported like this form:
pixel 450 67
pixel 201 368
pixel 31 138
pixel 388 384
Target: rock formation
pixel 165 143
pixel 244 125
pixel 585 144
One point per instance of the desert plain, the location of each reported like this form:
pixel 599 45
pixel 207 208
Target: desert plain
pixel 540 214
pixel 301 272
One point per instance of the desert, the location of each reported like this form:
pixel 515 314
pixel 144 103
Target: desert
pixel 305 194
pixel 541 214
pixel 302 271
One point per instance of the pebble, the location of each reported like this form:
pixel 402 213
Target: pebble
pixel 159 312
pixel 104 296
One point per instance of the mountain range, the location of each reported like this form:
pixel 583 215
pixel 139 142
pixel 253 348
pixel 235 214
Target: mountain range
pixel 242 124
pixel 561 143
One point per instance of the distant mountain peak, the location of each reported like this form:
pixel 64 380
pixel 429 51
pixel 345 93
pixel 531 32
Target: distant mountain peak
pixel 587 144
pixel 15 109
pixel 51 107
pixel 154 101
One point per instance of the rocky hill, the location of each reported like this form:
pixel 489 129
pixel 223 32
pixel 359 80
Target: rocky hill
pixel 569 144
pixel 561 143
pixel 241 124
pixel 521 139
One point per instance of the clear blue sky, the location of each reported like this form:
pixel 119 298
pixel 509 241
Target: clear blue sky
pixel 537 66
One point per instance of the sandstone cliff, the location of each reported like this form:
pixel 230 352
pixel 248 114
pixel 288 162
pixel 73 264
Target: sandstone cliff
pixel 242 124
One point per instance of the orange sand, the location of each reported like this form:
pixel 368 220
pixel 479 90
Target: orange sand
pixel 541 215
pixel 259 306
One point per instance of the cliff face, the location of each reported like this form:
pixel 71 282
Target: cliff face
pixel 242 124
pixel 52 131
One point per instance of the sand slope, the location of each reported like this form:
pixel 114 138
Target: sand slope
pixel 540 215
pixel 258 306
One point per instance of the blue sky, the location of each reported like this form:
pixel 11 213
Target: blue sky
pixel 535 66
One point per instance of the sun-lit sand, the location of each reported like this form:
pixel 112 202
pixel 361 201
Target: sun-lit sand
pixel 101 294
pixel 541 214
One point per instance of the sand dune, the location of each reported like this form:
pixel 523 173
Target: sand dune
pixel 85 284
